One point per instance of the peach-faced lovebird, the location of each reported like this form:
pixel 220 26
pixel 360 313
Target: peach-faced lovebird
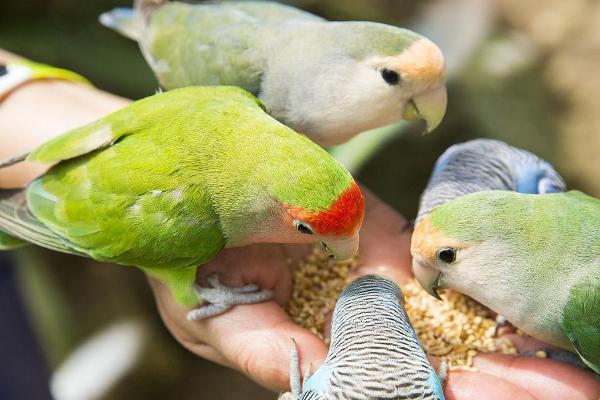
pixel 535 259
pixel 329 80
pixel 167 182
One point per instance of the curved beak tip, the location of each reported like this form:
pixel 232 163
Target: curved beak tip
pixel 432 289
pixel 428 278
pixel 430 106
pixel 342 250
pixel 435 293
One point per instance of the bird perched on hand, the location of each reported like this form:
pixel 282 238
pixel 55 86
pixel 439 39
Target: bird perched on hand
pixel 486 164
pixel 535 259
pixel 329 80
pixel 167 182
pixel 374 352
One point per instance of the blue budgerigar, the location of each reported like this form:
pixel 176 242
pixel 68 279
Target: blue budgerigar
pixel 486 164
pixel 374 352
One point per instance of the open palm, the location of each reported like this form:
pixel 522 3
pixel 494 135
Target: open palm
pixel 255 339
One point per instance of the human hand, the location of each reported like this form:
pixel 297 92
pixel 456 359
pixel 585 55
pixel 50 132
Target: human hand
pixel 255 339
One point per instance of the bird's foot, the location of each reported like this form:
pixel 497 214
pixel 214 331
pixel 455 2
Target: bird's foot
pixel 220 298
pixel 443 371
pixel 559 355
pixel 296 381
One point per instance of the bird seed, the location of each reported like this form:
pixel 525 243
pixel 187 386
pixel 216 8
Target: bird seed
pixel 454 330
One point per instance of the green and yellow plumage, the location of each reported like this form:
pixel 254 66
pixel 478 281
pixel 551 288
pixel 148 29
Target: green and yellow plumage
pixel 535 259
pixel 167 182
pixel 181 37
pixel 322 78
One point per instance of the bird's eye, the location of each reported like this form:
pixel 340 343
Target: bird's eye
pixel 447 255
pixel 391 77
pixel 303 227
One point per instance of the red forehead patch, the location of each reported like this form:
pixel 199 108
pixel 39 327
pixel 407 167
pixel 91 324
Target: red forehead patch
pixel 343 218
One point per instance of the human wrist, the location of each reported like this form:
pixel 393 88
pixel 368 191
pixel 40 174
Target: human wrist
pixel 41 109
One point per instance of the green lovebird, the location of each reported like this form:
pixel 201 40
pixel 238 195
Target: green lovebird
pixel 330 80
pixel 167 182
pixel 534 259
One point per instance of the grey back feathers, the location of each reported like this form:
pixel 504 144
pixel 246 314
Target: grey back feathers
pixel 486 164
pixel 374 352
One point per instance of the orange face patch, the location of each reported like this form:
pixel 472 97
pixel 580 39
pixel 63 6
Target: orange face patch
pixel 343 218
pixel 423 61
pixel 427 240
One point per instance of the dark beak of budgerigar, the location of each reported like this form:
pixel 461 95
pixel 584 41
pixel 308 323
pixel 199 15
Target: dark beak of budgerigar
pixel 429 278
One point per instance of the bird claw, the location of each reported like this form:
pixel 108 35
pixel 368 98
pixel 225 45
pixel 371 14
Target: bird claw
pixel 221 298
pixel 443 371
pixel 501 322
pixel 295 384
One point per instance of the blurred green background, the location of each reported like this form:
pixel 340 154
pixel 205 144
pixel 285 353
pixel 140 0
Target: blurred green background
pixel 522 71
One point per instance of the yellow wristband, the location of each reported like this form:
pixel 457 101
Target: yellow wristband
pixel 16 73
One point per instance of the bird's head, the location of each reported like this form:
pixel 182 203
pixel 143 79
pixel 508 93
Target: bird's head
pixel 472 244
pixel 413 81
pixel 365 76
pixel 335 228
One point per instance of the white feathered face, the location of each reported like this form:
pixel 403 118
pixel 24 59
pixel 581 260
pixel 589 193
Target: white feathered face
pixel 355 96
pixel 483 268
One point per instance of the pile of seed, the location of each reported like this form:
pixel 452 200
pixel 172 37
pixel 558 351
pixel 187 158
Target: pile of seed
pixel 454 330
pixel 318 282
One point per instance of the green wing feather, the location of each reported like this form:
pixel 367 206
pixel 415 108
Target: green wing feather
pixel 8 242
pixel 582 322
pixel 94 136
pixel 16 219
pixel 123 177
pixel 213 44
pixel 165 183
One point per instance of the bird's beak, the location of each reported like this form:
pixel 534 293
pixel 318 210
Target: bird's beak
pixel 429 106
pixel 342 249
pixel 429 278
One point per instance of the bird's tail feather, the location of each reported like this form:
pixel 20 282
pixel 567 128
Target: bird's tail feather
pixel 131 22
pixel 16 220
pixel 121 20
